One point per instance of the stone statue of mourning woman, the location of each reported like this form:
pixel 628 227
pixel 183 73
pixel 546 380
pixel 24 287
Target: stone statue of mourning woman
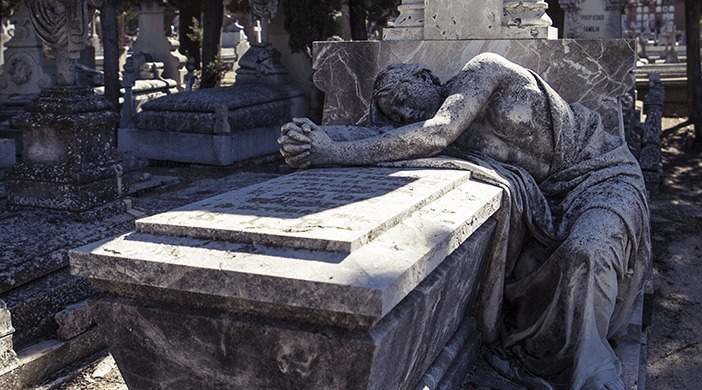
pixel 573 242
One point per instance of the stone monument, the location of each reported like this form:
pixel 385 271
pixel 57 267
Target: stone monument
pixel 575 188
pixel 154 45
pixel 471 19
pixel 350 278
pixel 69 161
pixel 397 84
pixel 220 126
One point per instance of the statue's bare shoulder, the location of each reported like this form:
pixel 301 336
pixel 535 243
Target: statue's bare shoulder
pixel 513 125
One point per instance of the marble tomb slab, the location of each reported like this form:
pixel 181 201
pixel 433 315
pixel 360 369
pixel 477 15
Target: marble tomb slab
pixel 592 72
pixel 423 221
pixel 331 209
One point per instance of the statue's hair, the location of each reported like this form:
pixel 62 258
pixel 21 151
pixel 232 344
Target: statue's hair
pixel 389 80
pixel 393 75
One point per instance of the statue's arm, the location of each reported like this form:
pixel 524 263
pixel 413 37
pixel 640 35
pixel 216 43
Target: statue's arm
pixel 305 144
pixel 478 81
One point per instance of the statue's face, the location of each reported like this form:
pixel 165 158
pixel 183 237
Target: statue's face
pixel 414 100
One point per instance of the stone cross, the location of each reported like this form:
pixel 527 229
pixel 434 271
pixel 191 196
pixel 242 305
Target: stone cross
pixel 262 11
pixel 259 30
pixel 471 19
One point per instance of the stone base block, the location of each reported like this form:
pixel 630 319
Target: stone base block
pixel 74 320
pixel 34 305
pixel 8 152
pixel 161 339
pixel 198 148
pixel 36 362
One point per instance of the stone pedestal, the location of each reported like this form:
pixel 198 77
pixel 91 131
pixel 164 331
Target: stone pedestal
pixel 153 43
pixel 410 24
pixel 69 160
pixel 348 278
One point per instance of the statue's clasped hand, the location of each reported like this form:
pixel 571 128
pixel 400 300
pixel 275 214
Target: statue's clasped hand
pixel 303 143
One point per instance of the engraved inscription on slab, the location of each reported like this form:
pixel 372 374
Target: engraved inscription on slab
pixel 328 209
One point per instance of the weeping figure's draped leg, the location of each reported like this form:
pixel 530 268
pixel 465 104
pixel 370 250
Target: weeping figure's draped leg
pixel 561 314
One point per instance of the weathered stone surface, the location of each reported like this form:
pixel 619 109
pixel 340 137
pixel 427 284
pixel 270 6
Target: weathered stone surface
pixel 195 312
pixel 74 320
pixel 182 346
pixel 34 245
pixel 6 328
pixel 345 71
pixel 249 105
pixel 363 285
pixel 210 149
pixel 471 19
pixel 447 19
pixel 153 42
pixel 25 258
pixel 26 69
pixel 69 161
pixel 592 19
pixel 8 357
pixel 217 126
pixel 33 306
pixel 34 363
pixel 330 209
pixel 8 152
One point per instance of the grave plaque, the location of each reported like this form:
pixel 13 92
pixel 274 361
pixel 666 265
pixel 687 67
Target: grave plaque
pixel 332 209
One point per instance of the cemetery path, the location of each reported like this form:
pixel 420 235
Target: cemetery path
pixel 675 339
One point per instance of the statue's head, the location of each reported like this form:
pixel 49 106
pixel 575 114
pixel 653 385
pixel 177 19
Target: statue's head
pixel 405 93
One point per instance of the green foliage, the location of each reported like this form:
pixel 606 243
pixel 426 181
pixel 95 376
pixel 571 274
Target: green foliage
pixel 314 20
pixel 308 21
pixel 212 74
pixel 196 32
pixel 238 6
pixel 379 11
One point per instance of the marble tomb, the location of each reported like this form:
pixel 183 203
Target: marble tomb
pixel 337 278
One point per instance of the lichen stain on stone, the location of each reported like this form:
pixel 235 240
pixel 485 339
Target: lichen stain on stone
pixel 294 358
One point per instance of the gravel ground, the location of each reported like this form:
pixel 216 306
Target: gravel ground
pixel 675 340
